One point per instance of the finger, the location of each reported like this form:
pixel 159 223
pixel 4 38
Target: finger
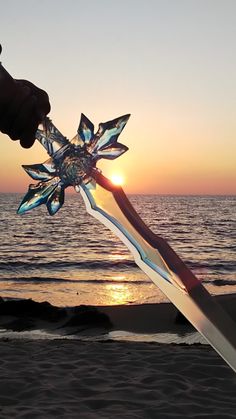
pixel 11 109
pixel 25 124
pixel 23 119
pixel 28 136
pixel 43 105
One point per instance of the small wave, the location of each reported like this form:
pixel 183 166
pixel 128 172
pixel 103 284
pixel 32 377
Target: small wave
pixel 83 281
pixel 222 282
pixel 212 266
pixel 89 264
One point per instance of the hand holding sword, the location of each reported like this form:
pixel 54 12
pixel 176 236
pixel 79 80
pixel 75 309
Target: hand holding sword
pixel 22 107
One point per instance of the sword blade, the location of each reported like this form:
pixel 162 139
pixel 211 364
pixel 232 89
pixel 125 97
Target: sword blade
pixel 109 204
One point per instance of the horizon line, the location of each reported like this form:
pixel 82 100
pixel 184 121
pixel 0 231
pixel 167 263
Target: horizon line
pixel 142 193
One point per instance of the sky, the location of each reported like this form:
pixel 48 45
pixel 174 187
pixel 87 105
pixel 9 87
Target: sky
pixel 171 64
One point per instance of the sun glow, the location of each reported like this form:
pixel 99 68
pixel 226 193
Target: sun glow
pixel 117 179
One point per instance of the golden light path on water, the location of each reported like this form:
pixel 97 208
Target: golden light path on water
pixel 118 293
pixel 70 259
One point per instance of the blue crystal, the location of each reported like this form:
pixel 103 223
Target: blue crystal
pixel 56 200
pixel 37 194
pixel 72 163
pixel 41 172
pixel 86 129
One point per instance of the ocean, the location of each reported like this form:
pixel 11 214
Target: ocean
pixel 71 259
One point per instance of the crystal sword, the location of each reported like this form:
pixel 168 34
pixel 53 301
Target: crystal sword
pixel 74 163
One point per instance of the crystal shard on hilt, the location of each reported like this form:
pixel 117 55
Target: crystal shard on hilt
pixel 71 163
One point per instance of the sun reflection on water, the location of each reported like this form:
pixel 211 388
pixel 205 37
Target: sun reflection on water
pixel 118 293
pixel 117 256
pixel 118 278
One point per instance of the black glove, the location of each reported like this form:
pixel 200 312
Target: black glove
pixel 23 106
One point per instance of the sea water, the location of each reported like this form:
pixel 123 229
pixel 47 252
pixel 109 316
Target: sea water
pixel 72 259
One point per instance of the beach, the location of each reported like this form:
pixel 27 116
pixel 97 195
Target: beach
pixel 97 362
pixel 74 379
pixel 85 334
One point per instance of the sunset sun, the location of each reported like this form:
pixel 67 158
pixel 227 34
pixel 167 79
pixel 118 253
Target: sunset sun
pixel 117 179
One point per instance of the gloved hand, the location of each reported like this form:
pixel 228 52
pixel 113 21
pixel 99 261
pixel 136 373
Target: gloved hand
pixel 23 106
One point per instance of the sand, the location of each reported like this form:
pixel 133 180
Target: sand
pixel 95 378
pixel 75 379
